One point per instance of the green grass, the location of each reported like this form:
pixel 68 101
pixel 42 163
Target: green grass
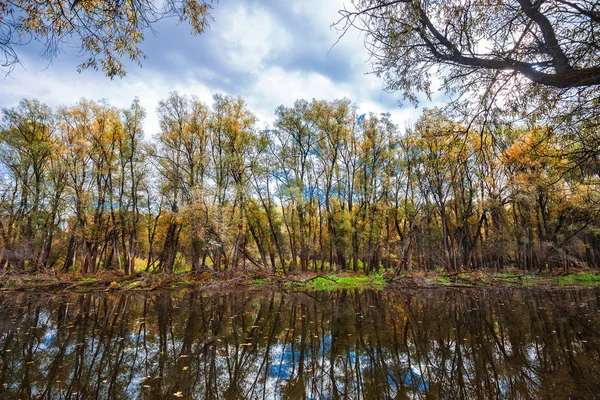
pixel 323 281
pixel 443 279
pixel 334 282
pixel 88 279
pixel 132 285
pixel 580 279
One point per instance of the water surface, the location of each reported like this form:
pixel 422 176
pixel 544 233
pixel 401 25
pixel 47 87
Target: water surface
pixel 433 343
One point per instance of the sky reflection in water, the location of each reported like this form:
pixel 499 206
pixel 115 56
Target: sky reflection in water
pixel 347 344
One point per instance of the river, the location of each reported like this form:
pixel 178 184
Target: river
pixel 429 343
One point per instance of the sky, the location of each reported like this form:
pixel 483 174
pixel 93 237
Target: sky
pixel 270 52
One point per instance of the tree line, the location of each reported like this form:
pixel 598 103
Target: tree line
pixel 324 188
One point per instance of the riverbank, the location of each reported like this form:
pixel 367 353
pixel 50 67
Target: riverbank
pixel 114 281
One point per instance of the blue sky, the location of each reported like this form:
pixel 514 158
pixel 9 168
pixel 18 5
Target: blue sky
pixel 269 52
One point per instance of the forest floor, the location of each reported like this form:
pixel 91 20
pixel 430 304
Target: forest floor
pixel 115 281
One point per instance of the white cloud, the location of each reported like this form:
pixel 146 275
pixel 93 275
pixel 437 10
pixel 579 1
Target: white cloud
pixel 57 88
pixel 244 41
pixel 249 36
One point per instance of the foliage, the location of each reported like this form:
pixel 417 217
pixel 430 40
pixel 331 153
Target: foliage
pixel 496 60
pixel 326 190
pixel 106 31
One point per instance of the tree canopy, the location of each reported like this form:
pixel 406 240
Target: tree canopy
pixel 107 31
pixel 489 52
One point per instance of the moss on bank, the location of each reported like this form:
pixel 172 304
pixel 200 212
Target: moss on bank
pixel 334 282
pixel 516 278
pixel 585 279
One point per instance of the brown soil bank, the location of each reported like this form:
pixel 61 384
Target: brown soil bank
pixel 112 281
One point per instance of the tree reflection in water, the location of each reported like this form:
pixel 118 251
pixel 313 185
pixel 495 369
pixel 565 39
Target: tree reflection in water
pixel 345 344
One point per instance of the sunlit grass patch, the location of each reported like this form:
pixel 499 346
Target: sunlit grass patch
pixel 133 285
pixel 352 280
pixel 580 279
pixel 334 282
pixel 323 281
